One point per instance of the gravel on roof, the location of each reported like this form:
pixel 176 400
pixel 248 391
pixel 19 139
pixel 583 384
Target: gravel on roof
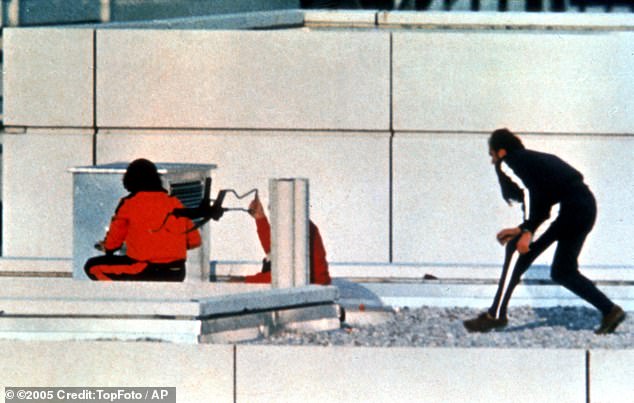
pixel 556 327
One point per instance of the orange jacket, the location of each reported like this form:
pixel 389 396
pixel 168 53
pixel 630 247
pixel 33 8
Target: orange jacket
pixel 138 222
pixel 318 264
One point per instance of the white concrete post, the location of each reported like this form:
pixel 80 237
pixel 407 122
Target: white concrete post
pixel 105 11
pixel 289 232
pixel 301 234
pixel 13 13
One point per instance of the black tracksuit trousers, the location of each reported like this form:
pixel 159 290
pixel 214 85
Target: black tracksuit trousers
pixel 577 214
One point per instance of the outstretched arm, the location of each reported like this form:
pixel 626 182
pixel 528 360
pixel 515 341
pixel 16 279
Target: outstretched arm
pixel 262 223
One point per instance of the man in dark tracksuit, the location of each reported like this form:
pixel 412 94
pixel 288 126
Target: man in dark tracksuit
pixel 539 181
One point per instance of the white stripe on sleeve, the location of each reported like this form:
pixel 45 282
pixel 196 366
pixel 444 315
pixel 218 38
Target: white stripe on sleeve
pixel 508 171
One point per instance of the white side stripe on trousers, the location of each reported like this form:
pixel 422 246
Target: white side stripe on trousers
pixel 505 287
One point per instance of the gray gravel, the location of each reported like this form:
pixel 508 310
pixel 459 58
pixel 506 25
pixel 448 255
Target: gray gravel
pixel 557 327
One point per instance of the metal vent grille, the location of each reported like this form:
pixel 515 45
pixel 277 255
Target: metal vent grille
pixel 189 193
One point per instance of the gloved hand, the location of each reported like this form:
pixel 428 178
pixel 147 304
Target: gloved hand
pixel 255 208
pixel 214 211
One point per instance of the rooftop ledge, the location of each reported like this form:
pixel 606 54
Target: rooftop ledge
pixel 358 19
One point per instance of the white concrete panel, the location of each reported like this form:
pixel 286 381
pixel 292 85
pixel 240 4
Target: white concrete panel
pixel 200 373
pixel 348 174
pixel 155 293
pixel 567 82
pixel 318 374
pixel 48 77
pixel 243 79
pixel 448 207
pixel 607 166
pixel 447 202
pixel 611 374
pixel 339 17
pixel 488 18
pixel 37 192
pixel 82 328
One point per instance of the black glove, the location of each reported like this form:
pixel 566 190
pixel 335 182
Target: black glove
pixel 215 212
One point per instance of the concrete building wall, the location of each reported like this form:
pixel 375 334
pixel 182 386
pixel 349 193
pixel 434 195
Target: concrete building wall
pixel 242 373
pixel 448 179
pixel 48 76
pixel 540 82
pixel 246 160
pixel 340 374
pixel 200 373
pixel 241 79
pixel 37 191
pixel 390 129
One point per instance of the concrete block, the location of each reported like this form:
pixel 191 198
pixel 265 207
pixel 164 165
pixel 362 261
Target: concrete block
pixel 549 82
pixel 271 374
pixel 60 288
pixel 252 326
pixel 480 295
pixel 64 309
pixel 269 300
pixel 59 267
pixel 37 192
pixel 74 328
pixel 302 79
pixel 309 319
pixel 455 188
pixel 67 305
pixel 488 18
pixel 347 18
pixel 48 77
pixel 611 372
pixel 247 160
pixel 200 373
pixel 413 271
pixel 151 299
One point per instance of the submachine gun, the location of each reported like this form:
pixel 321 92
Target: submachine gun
pixel 207 211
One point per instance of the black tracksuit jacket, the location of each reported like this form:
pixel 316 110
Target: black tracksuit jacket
pixel 540 181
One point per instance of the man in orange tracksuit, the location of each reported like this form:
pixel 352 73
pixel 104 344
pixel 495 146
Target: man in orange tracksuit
pixel 156 247
pixel 318 264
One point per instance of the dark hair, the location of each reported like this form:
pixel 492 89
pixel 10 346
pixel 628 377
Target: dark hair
pixel 505 139
pixel 142 175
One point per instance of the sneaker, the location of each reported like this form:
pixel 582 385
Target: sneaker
pixel 484 322
pixel 611 320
